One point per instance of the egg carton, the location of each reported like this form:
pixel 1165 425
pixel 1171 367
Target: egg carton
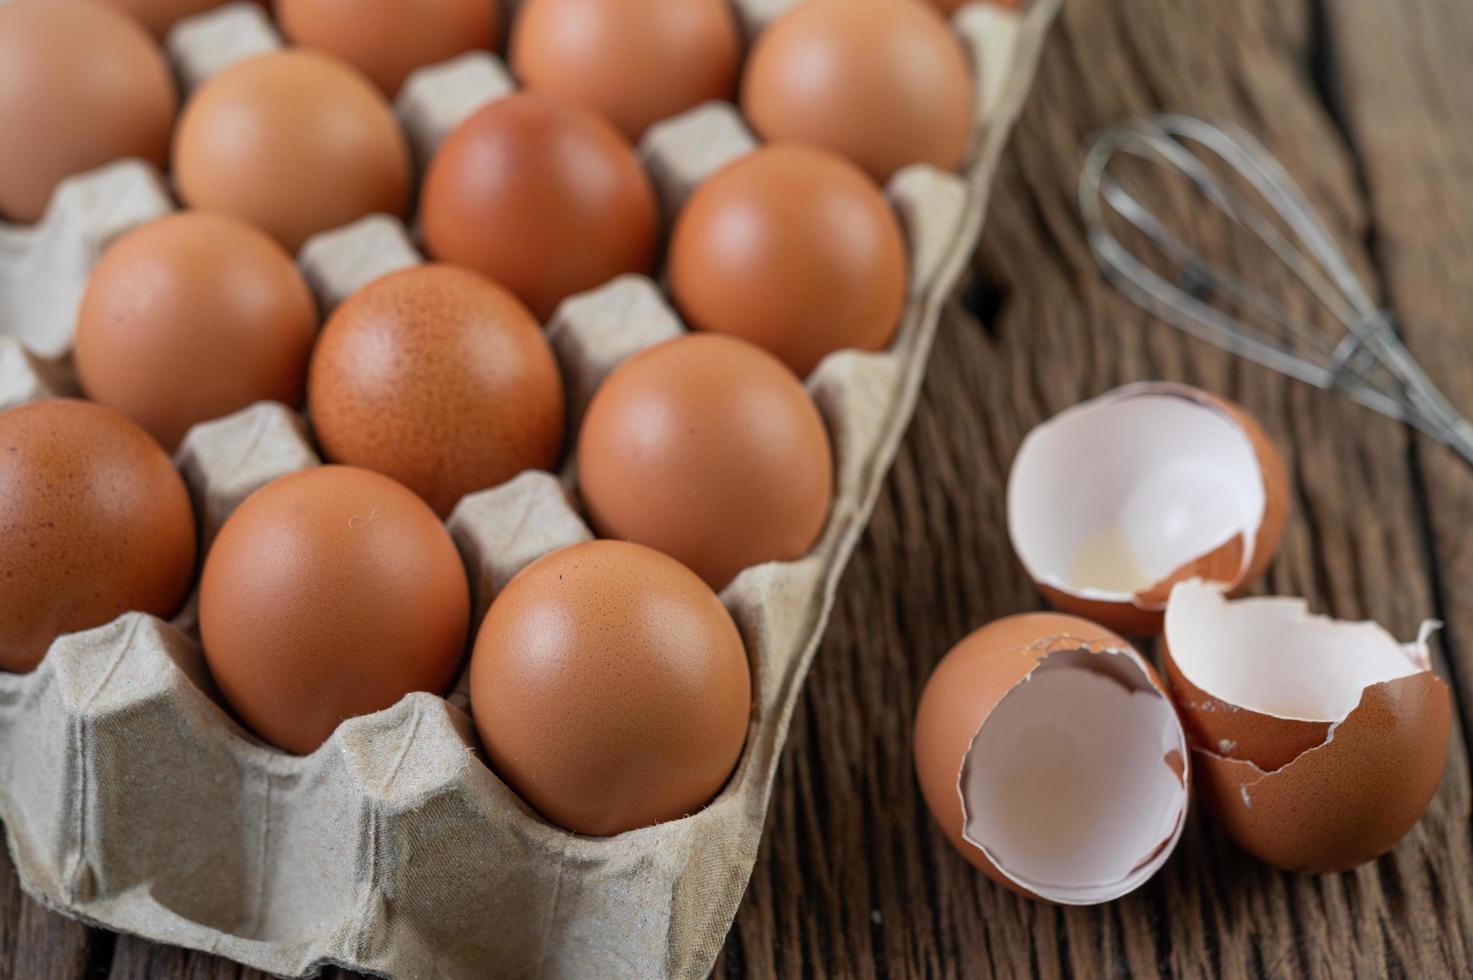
pixel 131 800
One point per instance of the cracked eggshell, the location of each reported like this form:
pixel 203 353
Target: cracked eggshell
pixel 1048 752
pixel 1113 501
pixel 1318 743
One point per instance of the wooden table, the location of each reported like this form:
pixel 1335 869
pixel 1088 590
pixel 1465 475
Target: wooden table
pixel 1370 103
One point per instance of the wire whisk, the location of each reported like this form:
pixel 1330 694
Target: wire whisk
pixel 1366 362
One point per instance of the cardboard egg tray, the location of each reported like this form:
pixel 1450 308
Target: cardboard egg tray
pixel 133 801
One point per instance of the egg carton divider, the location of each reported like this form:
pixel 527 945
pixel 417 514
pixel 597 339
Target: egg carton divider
pixel 133 801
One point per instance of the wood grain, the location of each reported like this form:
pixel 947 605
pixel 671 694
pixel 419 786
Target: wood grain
pixel 1371 106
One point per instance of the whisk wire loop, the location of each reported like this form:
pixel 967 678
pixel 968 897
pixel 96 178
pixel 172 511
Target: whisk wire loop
pixel 1368 363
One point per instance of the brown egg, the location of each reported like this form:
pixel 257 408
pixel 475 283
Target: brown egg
pixel 1318 743
pixel 610 688
pixel 1051 758
pixel 159 15
pixel 192 317
pixel 94 522
pixel 80 85
pixel 330 593
pixel 882 82
pixel 388 39
pixel 633 61
pixel 440 378
pixel 793 249
pixel 294 142
pixel 708 449
pixel 543 197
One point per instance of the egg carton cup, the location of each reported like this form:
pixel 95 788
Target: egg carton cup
pixel 133 801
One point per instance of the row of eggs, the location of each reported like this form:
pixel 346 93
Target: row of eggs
pixel 609 684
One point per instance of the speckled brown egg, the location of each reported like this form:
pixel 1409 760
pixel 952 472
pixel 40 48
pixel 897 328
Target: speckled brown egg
pixel 328 594
pixel 610 688
pixel 94 522
pixel 388 39
pixel 882 82
pixel 440 378
pixel 545 198
pixel 192 317
pixel 634 62
pixel 80 85
pixel 160 15
pixel 294 142
pixel 793 249
pixel 708 449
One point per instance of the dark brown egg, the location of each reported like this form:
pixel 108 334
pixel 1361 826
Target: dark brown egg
pixel 610 688
pixel 793 249
pixel 545 198
pixel 388 39
pixel 708 449
pixel 634 62
pixel 882 82
pixel 94 522
pixel 159 15
pixel 330 593
pixel 192 317
pixel 294 142
pixel 440 378
pixel 80 85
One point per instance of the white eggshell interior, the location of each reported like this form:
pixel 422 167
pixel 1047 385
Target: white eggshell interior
pixel 1074 785
pixel 1272 656
pixel 1114 495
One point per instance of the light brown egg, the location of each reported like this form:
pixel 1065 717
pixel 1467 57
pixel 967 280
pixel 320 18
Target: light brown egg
pixel 793 249
pixel 294 142
pixel 610 688
pixel 1053 761
pixel 330 593
pixel 388 39
pixel 882 82
pixel 440 378
pixel 545 198
pixel 192 317
pixel 1318 744
pixel 708 449
pixel 80 85
pixel 1182 485
pixel 94 522
pixel 160 15
pixel 635 62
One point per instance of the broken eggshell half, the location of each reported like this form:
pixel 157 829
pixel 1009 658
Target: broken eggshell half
pixel 1049 753
pixel 1113 501
pixel 1318 743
